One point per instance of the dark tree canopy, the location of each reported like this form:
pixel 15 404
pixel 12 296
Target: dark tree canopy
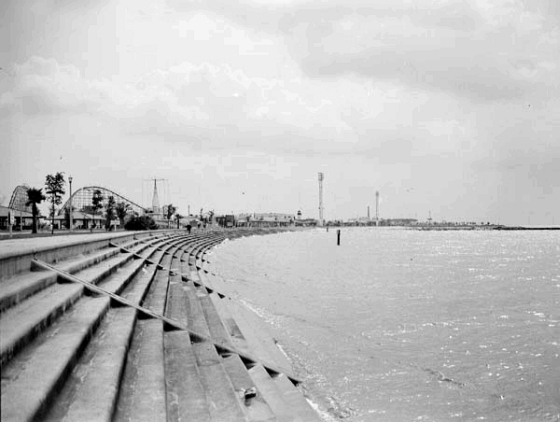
pixel 109 212
pixel 55 190
pixel 170 211
pixel 97 200
pixel 55 187
pixel 143 222
pixel 122 209
pixel 35 197
pixel 96 205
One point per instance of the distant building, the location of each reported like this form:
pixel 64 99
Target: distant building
pixel 22 219
pixel 399 222
pixel 307 222
pixel 80 220
pixel 270 219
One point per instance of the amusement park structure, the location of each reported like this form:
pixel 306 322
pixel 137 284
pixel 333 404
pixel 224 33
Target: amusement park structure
pixel 81 200
pixel 17 213
pixel 19 199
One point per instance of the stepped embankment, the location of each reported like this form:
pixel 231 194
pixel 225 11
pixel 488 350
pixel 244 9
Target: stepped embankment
pixel 134 326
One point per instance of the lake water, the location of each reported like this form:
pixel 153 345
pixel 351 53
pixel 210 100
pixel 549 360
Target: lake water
pixel 404 325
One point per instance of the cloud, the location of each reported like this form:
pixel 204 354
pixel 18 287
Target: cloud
pixel 202 105
pixel 466 48
pixel 209 107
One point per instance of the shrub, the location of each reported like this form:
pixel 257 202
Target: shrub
pixel 143 222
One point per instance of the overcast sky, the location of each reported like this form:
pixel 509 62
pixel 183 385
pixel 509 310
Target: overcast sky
pixel 450 106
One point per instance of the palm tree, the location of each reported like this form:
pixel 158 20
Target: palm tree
pixel 96 204
pixel 55 189
pixel 109 212
pixel 122 209
pixel 170 211
pixel 34 197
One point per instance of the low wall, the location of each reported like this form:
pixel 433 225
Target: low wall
pixel 16 255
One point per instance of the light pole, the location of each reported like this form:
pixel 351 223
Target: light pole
pixel 71 211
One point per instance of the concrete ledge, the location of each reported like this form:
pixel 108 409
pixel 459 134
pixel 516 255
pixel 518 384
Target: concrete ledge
pixel 16 254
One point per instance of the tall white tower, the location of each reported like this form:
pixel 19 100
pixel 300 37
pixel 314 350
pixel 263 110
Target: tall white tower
pixel 155 199
pixel 321 177
pixel 156 208
pixel 377 208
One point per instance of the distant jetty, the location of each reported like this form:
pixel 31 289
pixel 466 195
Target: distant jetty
pixel 527 228
pixel 431 227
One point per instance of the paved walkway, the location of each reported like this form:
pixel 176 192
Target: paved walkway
pixel 20 234
pixel 11 247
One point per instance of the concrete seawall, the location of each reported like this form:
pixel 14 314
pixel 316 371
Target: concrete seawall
pixel 134 326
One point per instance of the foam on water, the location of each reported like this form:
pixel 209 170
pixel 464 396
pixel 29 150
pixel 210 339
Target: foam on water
pixel 402 325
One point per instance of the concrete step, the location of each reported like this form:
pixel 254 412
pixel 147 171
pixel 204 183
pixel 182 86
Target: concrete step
pixel 118 280
pixel 23 285
pixel 256 407
pixel 176 305
pixel 224 403
pixel 218 282
pixel 153 255
pixel 218 331
pixel 31 379
pixel 270 392
pixel 175 263
pixel 257 339
pixel 205 280
pixel 91 361
pixel 21 323
pixel 186 396
pixel 195 315
pixel 91 391
pixel 142 396
pixel 156 297
pixel 103 269
pixel 20 253
pixel 165 260
pixel 137 291
pixel 234 332
pixel 295 399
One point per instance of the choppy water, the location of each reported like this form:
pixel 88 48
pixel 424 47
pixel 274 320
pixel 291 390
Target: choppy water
pixel 399 325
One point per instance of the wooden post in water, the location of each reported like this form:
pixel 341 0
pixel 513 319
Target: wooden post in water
pixel 338 237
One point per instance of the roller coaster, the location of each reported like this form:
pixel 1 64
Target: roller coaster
pixel 82 199
pixel 19 199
